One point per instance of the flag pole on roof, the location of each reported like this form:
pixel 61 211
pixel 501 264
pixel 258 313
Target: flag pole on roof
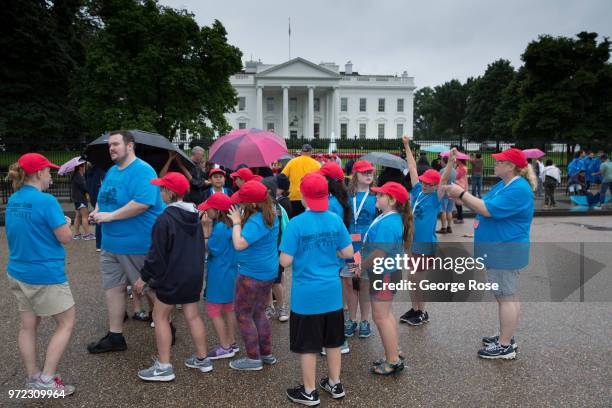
pixel 289 38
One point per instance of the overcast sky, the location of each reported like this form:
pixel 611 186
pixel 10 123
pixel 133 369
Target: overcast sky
pixel 434 40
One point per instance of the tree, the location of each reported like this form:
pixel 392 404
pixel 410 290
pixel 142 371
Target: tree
pixel 506 112
pixel 484 97
pixel 424 113
pixel 449 107
pixel 152 67
pixel 567 92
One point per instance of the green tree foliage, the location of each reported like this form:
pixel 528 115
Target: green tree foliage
pixel 424 113
pixel 449 106
pixel 485 96
pixel 152 67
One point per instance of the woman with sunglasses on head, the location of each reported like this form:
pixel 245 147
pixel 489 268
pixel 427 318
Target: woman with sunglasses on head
pixel 425 198
pixel 501 237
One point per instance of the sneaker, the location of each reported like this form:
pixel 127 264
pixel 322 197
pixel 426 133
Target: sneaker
pixel 270 312
pixel 269 359
pixel 449 230
pixel 141 316
pixel 98 250
pixel 283 314
pixel 299 396
pixel 157 373
pixel 107 344
pixel 235 348
pixel 204 365
pixel 336 391
pixel 364 329
pixel 77 237
pixel 418 319
pixel 346 314
pixel 218 352
pixel 404 318
pixel 497 351
pixel 344 349
pixel 56 384
pixel 89 237
pixel 246 364
pixel 487 341
pixel 442 230
pixel 349 328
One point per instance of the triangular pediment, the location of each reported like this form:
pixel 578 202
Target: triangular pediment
pixel 298 68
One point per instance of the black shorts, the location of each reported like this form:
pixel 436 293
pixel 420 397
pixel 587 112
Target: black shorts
pixel 310 333
pixel 279 277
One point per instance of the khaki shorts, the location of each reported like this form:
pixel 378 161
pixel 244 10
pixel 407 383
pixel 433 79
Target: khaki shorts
pixel 43 300
pixel 120 270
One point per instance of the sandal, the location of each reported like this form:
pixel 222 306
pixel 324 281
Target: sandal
pixel 387 368
pixel 382 360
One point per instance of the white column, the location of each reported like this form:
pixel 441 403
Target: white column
pixel 328 111
pixel 286 112
pixel 310 125
pixel 336 112
pixel 409 108
pixel 259 109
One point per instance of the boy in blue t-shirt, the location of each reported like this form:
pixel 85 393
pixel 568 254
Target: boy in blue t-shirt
pixel 312 243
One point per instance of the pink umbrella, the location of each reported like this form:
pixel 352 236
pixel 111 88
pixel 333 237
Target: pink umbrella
pixel 533 153
pixel 70 165
pixel 253 147
pixel 460 156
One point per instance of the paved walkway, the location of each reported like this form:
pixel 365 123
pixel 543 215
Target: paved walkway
pixel 564 356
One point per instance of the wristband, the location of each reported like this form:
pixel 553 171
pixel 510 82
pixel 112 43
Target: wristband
pixel 461 195
pixel 236 225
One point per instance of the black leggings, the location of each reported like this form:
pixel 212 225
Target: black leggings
pixel 459 211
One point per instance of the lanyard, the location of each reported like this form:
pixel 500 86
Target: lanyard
pixel 377 220
pixel 418 201
pixel 501 189
pixel 356 210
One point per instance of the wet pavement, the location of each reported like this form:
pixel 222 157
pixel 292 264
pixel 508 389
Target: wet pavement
pixel 564 358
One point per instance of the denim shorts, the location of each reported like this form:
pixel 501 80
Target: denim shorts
pixel 447 205
pixel 506 279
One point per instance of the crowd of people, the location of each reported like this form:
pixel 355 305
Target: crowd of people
pixel 182 237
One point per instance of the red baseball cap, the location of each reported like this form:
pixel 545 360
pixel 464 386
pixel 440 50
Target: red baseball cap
pixel 33 162
pixel 362 166
pixel 333 170
pixel 314 190
pixel 244 173
pixel 513 155
pixel 393 189
pixel 430 176
pixel 250 192
pixel 218 201
pixel 173 181
pixel 216 170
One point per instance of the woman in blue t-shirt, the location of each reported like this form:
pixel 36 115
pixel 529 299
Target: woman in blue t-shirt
pixel 501 237
pixel 255 235
pixel 221 276
pixel 389 235
pixel 363 211
pixel 36 228
pixel 425 199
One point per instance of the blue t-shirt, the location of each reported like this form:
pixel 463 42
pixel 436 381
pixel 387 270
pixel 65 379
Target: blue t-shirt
pixel 335 207
pixel 260 259
pixel 313 238
pixel 385 234
pixel 36 257
pixel 511 209
pixel 130 236
pixel 425 208
pixel 222 268
pixel 366 215
pixel 574 167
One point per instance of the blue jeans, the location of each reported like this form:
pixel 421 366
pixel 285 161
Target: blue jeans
pixel 603 190
pixel 476 185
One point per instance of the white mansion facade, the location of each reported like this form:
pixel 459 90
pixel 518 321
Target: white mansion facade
pixel 301 99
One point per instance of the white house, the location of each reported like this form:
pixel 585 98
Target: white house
pixel 299 98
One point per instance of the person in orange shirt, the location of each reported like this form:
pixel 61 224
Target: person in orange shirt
pixel 296 169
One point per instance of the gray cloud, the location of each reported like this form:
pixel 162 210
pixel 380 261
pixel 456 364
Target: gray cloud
pixel 434 41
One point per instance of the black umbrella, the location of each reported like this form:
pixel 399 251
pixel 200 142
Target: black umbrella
pixel 386 159
pixel 150 147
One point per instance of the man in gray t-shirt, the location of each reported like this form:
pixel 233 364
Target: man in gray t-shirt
pixel 605 170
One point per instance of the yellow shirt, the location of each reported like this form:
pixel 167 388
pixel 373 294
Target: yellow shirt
pixel 295 170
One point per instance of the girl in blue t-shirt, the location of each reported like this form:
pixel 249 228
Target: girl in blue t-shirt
pixel 221 276
pixel 389 235
pixel 254 235
pixel 425 198
pixel 362 204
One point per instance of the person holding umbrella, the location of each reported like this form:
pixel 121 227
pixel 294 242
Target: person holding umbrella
pixel 36 228
pixel 501 237
pixel 128 205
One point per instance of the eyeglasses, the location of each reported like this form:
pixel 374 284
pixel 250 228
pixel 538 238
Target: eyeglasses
pixel 368 173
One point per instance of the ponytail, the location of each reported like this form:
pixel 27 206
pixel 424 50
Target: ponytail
pixel 16 175
pixel 407 220
pixel 336 188
pixel 529 175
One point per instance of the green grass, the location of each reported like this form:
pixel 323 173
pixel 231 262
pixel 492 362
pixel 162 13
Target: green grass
pixel 57 157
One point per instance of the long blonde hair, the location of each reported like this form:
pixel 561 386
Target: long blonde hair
pixel 16 175
pixel 529 175
pixel 352 185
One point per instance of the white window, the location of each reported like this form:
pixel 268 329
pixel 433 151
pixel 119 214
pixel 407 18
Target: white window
pixel 343 130
pixel 400 104
pixel 400 130
pixel 381 104
pixel 270 126
pixel 292 104
pixel 362 130
pixel 362 104
pixel 381 130
pixel 241 103
pixel 317 104
pixel 343 104
pixel 293 134
pixel 270 104
pixel 241 125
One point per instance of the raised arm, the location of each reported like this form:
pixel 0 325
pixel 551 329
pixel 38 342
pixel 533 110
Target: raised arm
pixel 164 170
pixel 447 171
pixel 412 166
